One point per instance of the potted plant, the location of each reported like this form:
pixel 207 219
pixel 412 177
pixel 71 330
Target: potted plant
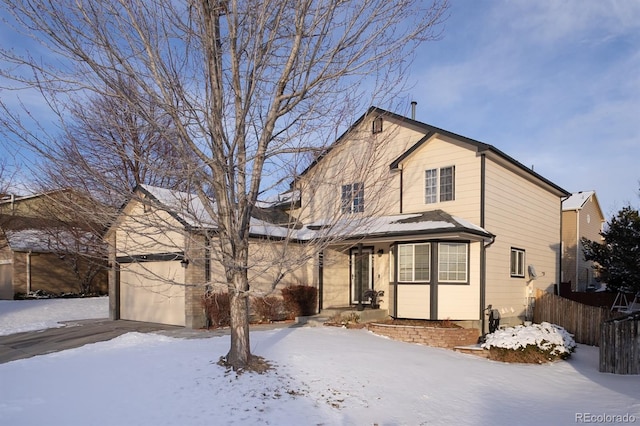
pixel 374 297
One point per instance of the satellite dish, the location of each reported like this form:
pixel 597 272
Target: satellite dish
pixel 532 272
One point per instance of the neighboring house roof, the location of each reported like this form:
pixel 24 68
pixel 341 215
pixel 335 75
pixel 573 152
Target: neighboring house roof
pixel 430 131
pixel 577 200
pixel 25 234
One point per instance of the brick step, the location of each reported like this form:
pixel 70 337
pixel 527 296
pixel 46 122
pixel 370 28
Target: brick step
pixel 472 350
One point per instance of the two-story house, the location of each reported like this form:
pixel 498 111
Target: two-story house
pixel 459 225
pixel 444 225
pixel 581 218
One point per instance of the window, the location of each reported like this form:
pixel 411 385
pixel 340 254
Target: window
pixel 376 126
pixel 353 198
pixel 414 261
pixel 517 263
pixel 431 186
pixel 452 262
pixel 446 183
pixel 446 189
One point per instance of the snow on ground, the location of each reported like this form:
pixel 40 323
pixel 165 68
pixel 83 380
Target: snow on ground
pixel 28 315
pixel 328 376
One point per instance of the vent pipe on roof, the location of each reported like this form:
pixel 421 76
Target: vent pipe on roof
pixel 413 109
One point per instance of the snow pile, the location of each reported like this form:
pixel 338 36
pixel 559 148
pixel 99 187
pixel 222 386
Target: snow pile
pixel 547 337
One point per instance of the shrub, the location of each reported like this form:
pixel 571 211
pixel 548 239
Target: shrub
pixel 267 309
pixel 299 300
pixel 217 308
pixel 534 343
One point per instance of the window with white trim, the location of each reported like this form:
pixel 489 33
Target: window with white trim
pixel 517 262
pixel 414 262
pixel 453 262
pixel 353 198
pixel 431 186
pixel 444 190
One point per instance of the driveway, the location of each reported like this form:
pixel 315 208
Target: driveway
pixel 79 333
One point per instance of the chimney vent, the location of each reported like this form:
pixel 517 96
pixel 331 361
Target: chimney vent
pixel 413 109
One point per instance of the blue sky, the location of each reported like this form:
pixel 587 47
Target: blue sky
pixel 554 84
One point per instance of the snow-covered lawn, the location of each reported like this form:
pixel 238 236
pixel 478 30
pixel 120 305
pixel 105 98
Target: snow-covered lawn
pixel 327 376
pixel 27 315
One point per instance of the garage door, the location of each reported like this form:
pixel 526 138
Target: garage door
pixel 6 283
pixel 145 294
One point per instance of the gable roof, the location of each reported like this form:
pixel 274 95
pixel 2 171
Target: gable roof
pixel 577 200
pixel 191 213
pixel 429 131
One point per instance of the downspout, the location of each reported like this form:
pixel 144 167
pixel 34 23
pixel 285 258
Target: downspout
pixel 401 186
pixel 483 253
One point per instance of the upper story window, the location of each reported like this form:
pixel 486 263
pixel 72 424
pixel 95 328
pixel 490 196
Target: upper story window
pixel 517 263
pixel 353 198
pixel 439 184
pixel 376 126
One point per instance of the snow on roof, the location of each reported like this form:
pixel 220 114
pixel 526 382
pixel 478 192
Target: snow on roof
pixel 436 221
pixel 50 240
pixel 576 200
pixel 189 209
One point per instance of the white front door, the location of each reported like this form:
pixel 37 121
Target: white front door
pixel 361 267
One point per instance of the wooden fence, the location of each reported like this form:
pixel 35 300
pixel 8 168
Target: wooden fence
pixel 620 345
pixel 583 321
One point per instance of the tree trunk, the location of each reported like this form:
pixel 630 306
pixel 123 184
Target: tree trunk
pixel 239 354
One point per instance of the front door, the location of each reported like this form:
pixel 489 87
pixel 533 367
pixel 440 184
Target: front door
pixel 361 268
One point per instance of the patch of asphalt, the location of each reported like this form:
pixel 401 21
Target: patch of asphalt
pixel 82 332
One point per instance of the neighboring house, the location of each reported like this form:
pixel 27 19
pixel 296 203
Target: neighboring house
pixel 40 252
pixel 581 218
pixel 446 226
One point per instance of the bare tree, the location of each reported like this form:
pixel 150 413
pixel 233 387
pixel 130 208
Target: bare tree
pixel 5 179
pixel 248 87
pixel 116 143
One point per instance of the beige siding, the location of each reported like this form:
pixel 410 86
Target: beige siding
pixel 526 216
pixel 589 226
pixel 336 278
pixel 146 294
pixel 413 301
pixel 569 246
pixel 359 157
pixel 462 302
pixel 435 154
pixel 140 232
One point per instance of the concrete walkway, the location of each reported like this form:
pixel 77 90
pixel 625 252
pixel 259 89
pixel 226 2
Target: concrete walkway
pixel 79 333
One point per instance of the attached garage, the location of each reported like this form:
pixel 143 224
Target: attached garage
pixel 150 292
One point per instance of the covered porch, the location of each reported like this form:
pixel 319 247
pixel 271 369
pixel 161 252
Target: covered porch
pixel 420 266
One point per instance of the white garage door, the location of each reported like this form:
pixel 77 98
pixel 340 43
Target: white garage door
pixel 146 294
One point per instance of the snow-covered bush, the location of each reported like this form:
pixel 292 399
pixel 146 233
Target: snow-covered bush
pixel 549 340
